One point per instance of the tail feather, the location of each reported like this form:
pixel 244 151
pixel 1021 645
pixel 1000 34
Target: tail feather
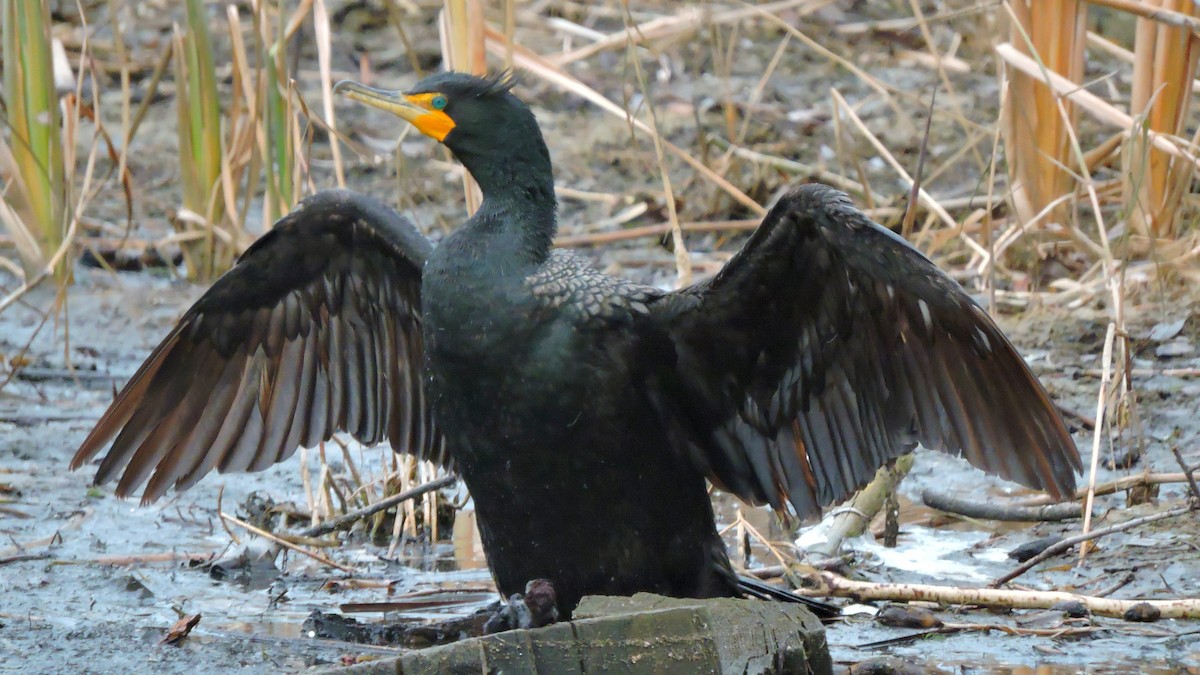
pixel 756 588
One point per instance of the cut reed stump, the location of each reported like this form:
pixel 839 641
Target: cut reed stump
pixel 645 633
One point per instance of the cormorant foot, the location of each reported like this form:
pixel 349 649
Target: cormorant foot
pixel 536 608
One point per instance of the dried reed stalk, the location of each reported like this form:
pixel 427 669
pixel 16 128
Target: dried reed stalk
pixel 462 25
pixel 1052 33
pixel 1163 68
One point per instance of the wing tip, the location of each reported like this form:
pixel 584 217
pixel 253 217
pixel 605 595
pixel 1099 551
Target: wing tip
pixel 110 423
pixel 83 455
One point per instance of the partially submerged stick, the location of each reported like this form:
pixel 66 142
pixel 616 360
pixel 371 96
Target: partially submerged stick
pixel 1193 489
pixel 1088 536
pixel 285 543
pixel 836 585
pixel 1005 512
pixel 851 519
pixel 342 522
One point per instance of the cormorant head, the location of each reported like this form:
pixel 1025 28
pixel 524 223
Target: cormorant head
pixel 490 131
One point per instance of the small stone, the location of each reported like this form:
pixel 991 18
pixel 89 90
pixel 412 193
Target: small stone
pixel 907 616
pixel 1031 548
pixel 1072 608
pixel 1166 330
pixel 1143 612
pixel 1178 347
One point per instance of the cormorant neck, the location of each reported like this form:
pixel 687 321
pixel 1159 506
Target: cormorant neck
pixel 512 167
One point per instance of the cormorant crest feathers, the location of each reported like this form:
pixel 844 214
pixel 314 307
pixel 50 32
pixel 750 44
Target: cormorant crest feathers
pixel 465 84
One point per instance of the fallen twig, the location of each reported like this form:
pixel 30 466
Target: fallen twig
pixel 996 511
pixel 22 557
pixel 14 513
pixel 1054 631
pixel 1068 542
pixel 1114 587
pixel 1123 483
pixel 1188 472
pixel 137 559
pixel 767 572
pixel 285 543
pixel 438 597
pixel 342 522
pixel 831 584
pixel 50 540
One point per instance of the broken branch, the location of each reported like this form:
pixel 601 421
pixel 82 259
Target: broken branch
pixel 382 505
pixel 1005 512
pixel 829 583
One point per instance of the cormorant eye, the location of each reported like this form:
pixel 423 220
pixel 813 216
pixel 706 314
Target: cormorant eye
pixel 438 102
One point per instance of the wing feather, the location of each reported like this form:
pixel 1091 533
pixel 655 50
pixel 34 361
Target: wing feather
pixel 828 346
pixel 315 330
pixel 186 454
pixel 234 426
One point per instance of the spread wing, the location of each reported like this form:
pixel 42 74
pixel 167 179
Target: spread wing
pixel 828 346
pixel 317 329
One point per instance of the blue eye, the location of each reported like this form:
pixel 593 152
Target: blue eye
pixel 438 102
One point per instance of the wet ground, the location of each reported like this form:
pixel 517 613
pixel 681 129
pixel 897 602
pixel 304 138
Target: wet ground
pixel 91 583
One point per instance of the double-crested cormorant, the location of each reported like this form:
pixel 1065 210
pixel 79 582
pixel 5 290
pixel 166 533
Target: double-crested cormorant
pixel 584 412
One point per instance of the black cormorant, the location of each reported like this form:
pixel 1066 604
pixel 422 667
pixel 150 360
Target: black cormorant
pixel 584 412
